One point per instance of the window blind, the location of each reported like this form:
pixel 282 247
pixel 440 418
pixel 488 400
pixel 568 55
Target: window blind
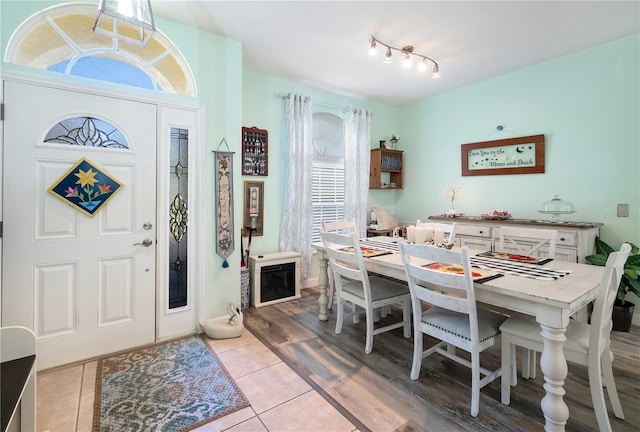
pixel 327 192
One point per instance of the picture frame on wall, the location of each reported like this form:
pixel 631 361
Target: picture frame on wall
pixel 523 155
pixel 253 208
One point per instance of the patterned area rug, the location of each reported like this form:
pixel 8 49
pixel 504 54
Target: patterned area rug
pixel 175 386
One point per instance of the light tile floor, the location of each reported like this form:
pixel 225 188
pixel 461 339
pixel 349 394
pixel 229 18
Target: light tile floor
pixel 280 399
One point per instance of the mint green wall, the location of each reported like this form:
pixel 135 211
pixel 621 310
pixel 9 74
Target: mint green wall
pixel 588 107
pixel 263 109
pixel 216 63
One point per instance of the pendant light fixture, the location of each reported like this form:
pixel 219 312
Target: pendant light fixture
pixel 408 56
pixel 130 21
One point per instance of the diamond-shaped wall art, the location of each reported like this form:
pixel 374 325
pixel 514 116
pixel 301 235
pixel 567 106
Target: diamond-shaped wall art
pixel 86 186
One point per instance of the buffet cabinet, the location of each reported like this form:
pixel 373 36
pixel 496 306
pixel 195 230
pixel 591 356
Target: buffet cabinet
pixel 576 239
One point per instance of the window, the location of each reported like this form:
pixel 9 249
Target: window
pixel 328 170
pixel 178 218
pixel 60 39
pixel 327 192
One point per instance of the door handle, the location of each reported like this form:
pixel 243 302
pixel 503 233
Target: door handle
pixel 146 243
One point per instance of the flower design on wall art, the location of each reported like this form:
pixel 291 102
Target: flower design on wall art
pixel 86 186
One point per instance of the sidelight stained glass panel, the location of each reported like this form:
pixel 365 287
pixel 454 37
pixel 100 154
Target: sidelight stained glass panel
pixel 178 217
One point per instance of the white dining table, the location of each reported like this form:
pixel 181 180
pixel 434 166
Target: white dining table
pixel 551 302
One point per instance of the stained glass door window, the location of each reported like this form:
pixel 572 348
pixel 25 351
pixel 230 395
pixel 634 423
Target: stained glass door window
pixel 178 217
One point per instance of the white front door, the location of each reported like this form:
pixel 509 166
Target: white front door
pixel 85 285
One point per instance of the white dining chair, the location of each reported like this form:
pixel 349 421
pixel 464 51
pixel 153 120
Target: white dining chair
pixel 453 317
pixel 529 242
pixel 355 285
pixel 448 229
pixel 586 344
pixel 338 227
pixel 341 227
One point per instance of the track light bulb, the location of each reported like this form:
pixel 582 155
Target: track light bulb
pixel 373 50
pixel 436 71
pixel 387 57
pixel 406 63
pixel 423 65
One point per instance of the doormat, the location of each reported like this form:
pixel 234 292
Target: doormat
pixel 174 386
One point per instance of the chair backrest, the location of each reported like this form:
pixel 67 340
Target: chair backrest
pixel 603 306
pixel 341 227
pixel 426 270
pixel 527 241
pixel 448 229
pixel 345 260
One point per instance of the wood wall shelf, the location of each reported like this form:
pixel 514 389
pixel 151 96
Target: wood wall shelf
pixel 385 161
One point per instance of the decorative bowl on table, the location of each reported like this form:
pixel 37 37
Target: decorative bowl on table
pixel 496 215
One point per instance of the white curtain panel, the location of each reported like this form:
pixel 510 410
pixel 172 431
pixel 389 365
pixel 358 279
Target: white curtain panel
pixel 357 148
pixel 297 216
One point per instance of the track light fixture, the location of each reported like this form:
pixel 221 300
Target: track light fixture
pixel 408 53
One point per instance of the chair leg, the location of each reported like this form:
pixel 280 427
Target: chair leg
pixel 529 365
pixel 597 393
pixel 514 366
pixel 340 315
pixel 417 353
pixel 406 317
pixel 508 357
pixel 330 294
pixel 369 318
pixel 607 370
pixel 375 313
pixel 356 315
pixel 475 383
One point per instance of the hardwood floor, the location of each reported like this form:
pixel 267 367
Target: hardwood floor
pixel 377 392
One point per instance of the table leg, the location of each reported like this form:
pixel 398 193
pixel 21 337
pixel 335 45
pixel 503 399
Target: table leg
pixel 554 367
pixel 323 278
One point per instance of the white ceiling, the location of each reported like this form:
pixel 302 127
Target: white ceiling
pixel 324 43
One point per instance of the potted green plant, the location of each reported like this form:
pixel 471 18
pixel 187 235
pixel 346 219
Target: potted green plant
pixel 630 282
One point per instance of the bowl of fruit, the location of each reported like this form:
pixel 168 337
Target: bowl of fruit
pixel 496 215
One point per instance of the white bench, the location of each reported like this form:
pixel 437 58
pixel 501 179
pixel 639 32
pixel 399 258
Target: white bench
pixel 18 371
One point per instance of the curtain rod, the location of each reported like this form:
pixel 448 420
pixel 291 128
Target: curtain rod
pixel 326 104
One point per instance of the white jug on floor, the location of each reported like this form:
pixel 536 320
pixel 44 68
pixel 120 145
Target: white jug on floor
pixel 225 327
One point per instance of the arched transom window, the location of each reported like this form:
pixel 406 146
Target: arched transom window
pixel 60 39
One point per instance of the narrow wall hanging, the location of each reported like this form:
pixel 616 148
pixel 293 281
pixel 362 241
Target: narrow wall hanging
pixel 86 187
pixel 224 202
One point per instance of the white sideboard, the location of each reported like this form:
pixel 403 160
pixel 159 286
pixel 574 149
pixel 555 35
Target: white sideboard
pixel 576 239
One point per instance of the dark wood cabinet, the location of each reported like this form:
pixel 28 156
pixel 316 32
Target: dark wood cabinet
pixel 385 161
pixel 255 151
